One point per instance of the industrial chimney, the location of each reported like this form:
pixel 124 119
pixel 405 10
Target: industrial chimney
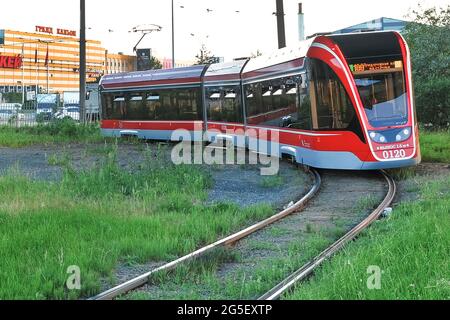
pixel 301 22
pixel 280 24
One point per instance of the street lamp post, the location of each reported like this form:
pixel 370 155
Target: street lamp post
pixel 83 61
pixel 173 35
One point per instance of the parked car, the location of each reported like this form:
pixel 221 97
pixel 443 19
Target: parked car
pixel 21 116
pixel 7 114
pixel 70 111
pixel 45 111
pixel 10 106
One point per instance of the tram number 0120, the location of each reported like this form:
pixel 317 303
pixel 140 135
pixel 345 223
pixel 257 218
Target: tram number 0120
pixel 394 154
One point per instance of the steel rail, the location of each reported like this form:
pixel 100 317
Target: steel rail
pixel 309 268
pixel 230 240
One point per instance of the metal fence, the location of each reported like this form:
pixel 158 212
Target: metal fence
pixel 32 113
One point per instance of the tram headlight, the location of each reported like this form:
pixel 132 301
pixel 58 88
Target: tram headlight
pixel 404 134
pixel 391 136
pixel 377 137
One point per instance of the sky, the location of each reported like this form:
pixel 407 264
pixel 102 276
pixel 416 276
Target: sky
pixel 225 32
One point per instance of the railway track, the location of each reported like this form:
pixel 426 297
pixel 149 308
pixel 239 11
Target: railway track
pixel 309 268
pixel 228 241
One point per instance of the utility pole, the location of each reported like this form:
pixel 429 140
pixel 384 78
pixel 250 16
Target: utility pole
pixel 83 61
pixel 23 74
pixel 173 35
pixel 48 69
pixel 280 24
pixel 36 61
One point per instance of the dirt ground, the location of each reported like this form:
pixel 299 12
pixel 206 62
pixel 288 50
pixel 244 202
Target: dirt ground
pixel 241 184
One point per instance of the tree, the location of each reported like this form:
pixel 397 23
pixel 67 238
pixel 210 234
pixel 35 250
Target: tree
pixel 155 63
pixel 205 57
pixel 151 64
pixel 429 39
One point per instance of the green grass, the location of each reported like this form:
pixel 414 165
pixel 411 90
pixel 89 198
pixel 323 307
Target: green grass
pixel 412 248
pixel 435 146
pixel 403 173
pixel 61 131
pixel 102 217
pixel 200 281
pixel 366 203
pixel 59 160
pixel 271 182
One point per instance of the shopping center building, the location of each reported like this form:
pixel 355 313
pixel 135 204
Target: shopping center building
pixel 48 59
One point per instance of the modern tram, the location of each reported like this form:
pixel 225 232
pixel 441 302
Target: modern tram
pixel 333 102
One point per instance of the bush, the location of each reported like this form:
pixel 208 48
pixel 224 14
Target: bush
pixel 41 118
pixel 433 102
pixel 429 41
pixel 66 127
pixel 13 120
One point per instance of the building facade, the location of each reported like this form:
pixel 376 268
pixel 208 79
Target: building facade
pixel 47 60
pixel 380 24
pixel 117 63
pixel 167 63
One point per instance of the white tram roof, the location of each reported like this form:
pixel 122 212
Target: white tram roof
pixel 297 51
pixel 226 68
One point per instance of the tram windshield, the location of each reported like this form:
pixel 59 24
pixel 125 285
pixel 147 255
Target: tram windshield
pixel 383 93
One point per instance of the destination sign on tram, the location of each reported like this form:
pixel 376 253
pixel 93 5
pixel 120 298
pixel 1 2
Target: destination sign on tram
pixel 380 66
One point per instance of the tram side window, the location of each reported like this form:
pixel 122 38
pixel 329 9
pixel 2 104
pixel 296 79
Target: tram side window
pixel 152 103
pixel 162 105
pixel 224 104
pixel 114 106
pixel 254 101
pixel 273 102
pixel 303 118
pixel 214 102
pixel 177 104
pixel 267 101
pixel 166 109
pixel 330 105
pixel 136 106
pixel 107 106
pixel 232 105
pixel 188 104
pixel 118 107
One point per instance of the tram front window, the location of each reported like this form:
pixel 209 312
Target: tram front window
pixel 384 97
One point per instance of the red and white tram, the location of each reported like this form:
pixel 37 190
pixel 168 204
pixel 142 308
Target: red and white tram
pixel 334 102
